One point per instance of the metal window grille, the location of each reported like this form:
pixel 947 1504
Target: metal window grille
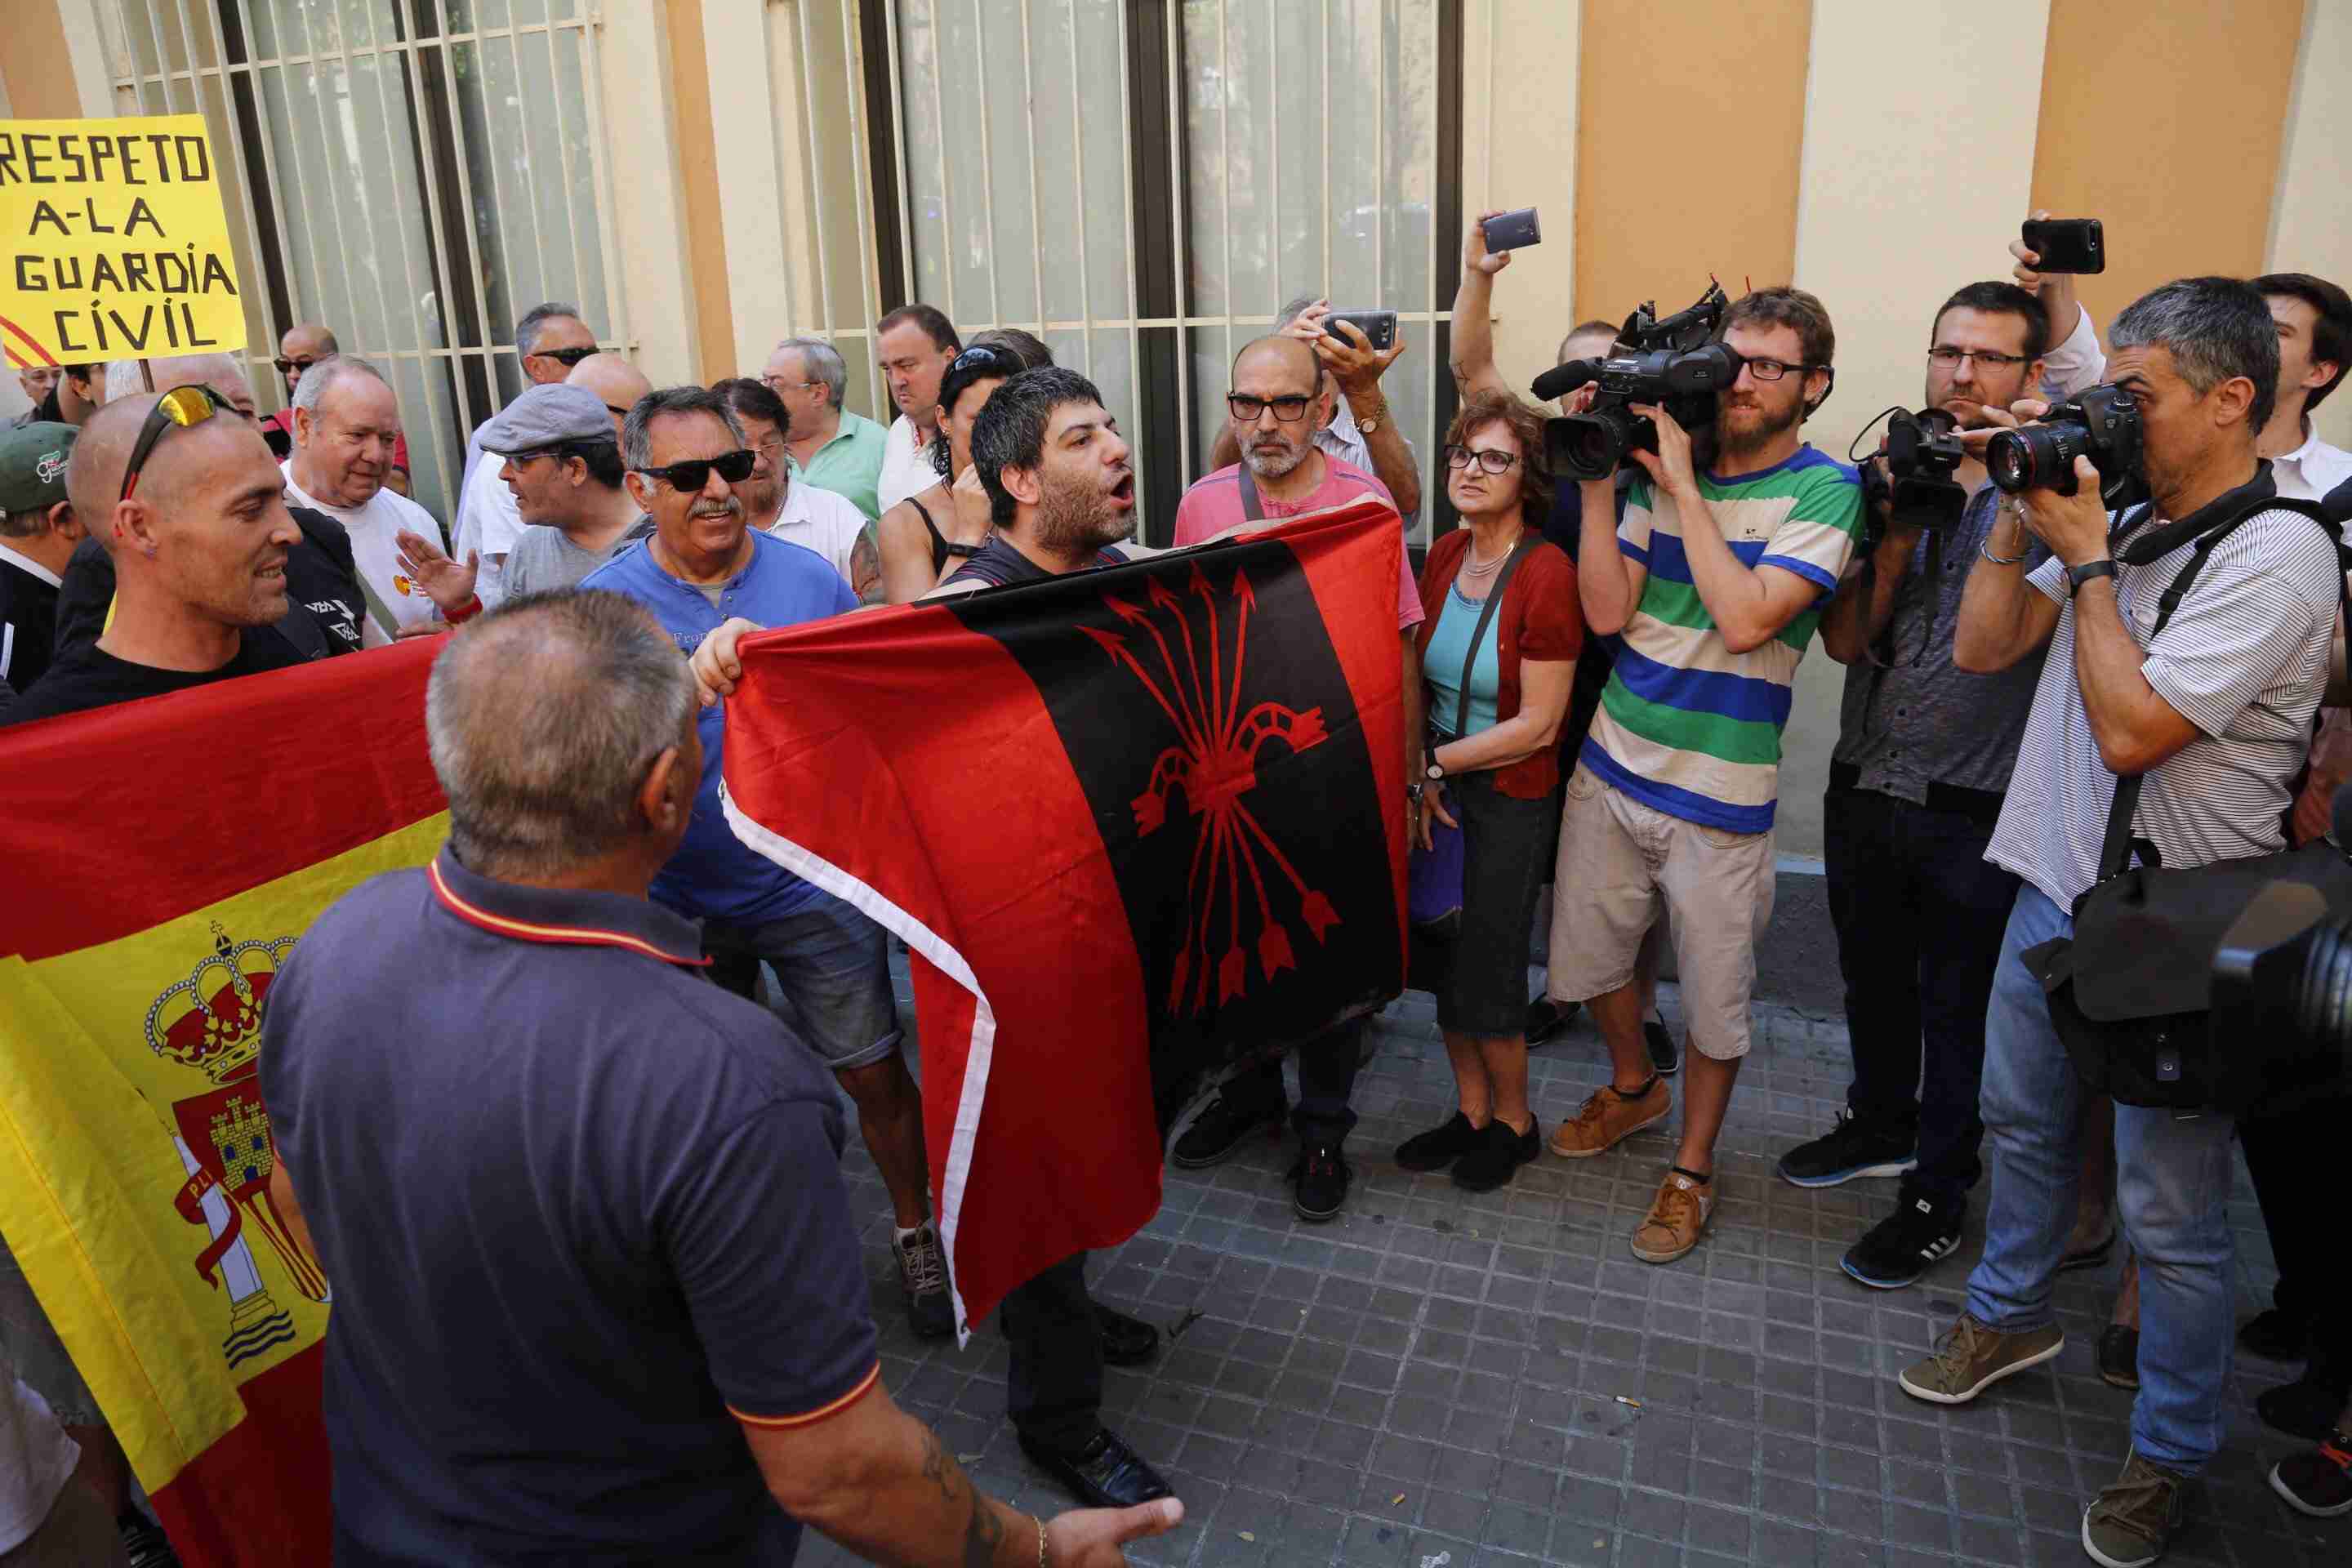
pixel 413 173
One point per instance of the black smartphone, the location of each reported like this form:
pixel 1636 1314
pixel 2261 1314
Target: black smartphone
pixel 2065 244
pixel 1379 327
pixel 1512 230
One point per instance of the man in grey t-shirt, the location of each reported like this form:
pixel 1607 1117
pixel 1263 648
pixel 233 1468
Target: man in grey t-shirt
pixel 563 465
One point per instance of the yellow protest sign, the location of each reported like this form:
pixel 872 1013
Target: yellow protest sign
pixel 116 242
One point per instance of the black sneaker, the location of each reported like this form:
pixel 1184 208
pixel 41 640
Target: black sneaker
pixel 1440 1146
pixel 923 1281
pixel 1322 1177
pixel 2307 1407
pixel 1665 1051
pixel 2319 1482
pixel 144 1544
pixel 1223 1125
pixel 1499 1155
pixel 1548 1020
pixel 1849 1150
pixel 1899 1248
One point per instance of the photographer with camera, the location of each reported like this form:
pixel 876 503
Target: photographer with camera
pixel 1916 782
pixel 2200 688
pixel 1715 581
pixel 1352 421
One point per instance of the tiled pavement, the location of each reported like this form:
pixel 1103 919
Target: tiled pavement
pixel 1436 1380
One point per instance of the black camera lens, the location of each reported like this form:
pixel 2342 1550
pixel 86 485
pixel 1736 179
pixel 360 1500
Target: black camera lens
pixel 1587 446
pixel 2037 457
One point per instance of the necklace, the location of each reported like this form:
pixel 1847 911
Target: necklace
pixel 1474 567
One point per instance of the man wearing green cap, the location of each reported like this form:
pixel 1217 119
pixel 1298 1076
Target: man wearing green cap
pixel 38 535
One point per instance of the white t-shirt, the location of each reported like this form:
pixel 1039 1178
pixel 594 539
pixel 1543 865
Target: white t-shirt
pixel 823 521
pixel 488 522
pixel 376 551
pixel 37 1459
pixel 2312 469
pixel 905 464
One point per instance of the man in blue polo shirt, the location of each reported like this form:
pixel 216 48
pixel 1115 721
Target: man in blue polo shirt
pixel 598 1298
pixel 701 565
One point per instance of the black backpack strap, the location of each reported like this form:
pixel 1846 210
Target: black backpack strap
pixel 1478 632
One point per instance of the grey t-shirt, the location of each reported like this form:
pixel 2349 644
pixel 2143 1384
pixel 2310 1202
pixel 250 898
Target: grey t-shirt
pixel 543 558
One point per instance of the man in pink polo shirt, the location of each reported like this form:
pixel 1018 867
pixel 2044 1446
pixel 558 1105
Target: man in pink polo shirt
pixel 1280 398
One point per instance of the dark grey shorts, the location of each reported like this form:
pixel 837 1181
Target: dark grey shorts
pixel 1503 866
pixel 832 978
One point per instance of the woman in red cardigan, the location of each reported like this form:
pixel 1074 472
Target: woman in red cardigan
pixel 1491 767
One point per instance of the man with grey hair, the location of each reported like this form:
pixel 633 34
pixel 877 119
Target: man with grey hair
pixel 550 339
pixel 304 344
pixel 832 448
pixel 635 1182
pixel 345 422
pixel 702 565
pixel 1352 419
pixel 2209 707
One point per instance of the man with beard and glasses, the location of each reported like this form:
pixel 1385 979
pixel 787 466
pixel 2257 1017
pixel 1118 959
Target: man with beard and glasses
pixel 701 570
pixel 1715 580
pixel 1922 763
pixel 1279 400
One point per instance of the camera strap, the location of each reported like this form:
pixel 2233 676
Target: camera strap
pixel 1252 508
pixel 2118 847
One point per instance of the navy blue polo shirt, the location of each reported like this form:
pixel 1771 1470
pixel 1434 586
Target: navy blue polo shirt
pixel 715 876
pixel 582 1212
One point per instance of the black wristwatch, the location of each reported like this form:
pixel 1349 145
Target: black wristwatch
pixel 1435 771
pixel 2078 576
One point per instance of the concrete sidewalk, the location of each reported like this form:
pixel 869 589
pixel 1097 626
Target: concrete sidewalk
pixel 1436 1380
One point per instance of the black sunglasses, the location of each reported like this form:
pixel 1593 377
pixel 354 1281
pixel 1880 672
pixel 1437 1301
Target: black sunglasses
pixel 181 407
pixel 695 472
pixel 567 358
pixel 289 366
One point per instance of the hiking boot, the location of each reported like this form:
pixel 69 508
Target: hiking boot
pixel 1899 1248
pixel 1321 1177
pixel 923 1280
pixel 1609 1117
pixel 1676 1217
pixel 1500 1152
pixel 1548 1020
pixel 2133 1520
pixel 1440 1146
pixel 1224 1124
pixel 1850 1149
pixel 2318 1483
pixel 1665 1051
pixel 1973 1358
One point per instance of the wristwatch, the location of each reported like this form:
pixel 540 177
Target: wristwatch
pixel 1368 426
pixel 2078 576
pixel 1435 771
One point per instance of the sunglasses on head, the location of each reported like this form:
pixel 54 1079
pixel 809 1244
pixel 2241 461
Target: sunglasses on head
pixel 567 358
pixel 695 472
pixel 181 407
pixel 981 357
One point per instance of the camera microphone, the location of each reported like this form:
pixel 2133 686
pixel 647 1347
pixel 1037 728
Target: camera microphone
pixel 1562 379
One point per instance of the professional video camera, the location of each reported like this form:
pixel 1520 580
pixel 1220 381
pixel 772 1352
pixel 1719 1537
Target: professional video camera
pixel 1918 490
pixel 2103 425
pixel 1672 363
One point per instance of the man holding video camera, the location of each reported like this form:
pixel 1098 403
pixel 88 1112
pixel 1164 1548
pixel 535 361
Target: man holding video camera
pixel 2211 711
pixel 1916 784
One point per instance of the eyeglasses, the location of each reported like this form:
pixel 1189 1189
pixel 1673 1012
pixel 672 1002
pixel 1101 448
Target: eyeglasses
pixel 1246 409
pixel 1491 460
pixel 1943 356
pixel 695 472
pixel 289 366
pixel 567 358
pixel 616 412
pixel 779 386
pixel 182 406
pixel 1773 369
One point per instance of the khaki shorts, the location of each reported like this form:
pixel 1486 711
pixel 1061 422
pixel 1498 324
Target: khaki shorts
pixel 1621 862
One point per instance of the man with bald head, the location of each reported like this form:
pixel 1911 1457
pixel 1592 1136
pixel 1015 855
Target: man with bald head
pixel 1277 404
pixel 612 379
pixel 551 340
pixel 199 536
pixel 345 424
pixel 304 345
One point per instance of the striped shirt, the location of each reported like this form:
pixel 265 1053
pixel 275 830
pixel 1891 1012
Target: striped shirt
pixel 1687 726
pixel 2245 658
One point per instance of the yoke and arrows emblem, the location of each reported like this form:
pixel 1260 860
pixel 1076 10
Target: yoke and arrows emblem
pixel 1213 766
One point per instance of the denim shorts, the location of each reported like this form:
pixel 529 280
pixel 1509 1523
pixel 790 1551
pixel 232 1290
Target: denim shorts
pixel 831 983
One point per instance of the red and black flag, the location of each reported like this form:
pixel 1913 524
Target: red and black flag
pixel 1124 820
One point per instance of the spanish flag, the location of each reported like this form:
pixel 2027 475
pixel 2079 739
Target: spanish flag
pixel 160 860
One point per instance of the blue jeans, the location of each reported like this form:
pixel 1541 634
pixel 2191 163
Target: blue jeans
pixel 2172 1187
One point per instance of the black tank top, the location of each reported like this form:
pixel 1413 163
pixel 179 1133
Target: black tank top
pixel 997 563
pixel 939 540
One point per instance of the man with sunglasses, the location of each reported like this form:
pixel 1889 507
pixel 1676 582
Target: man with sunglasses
pixel 551 340
pixel 702 567
pixel 304 345
pixel 1922 763
pixel 563 465
pixel 1274 407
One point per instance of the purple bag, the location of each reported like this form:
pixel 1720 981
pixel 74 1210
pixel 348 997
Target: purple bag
pixel 1433 876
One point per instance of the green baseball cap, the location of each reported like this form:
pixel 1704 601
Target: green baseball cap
pixel 33 466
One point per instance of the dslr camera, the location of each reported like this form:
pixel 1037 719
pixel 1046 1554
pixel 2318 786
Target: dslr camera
pixel 2103 425
pixel 1918 490
pixel 1673 364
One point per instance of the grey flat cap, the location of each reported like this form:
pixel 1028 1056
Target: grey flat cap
pixel 552 415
